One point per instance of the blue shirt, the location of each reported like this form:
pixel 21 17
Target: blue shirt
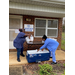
pixel 19 40
pixel 50 44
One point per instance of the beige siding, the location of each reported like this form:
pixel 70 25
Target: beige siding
pixel 35 8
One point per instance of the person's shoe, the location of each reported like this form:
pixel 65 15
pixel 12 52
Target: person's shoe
pixel 50 57
pixel 22 55
pixel 54 63
pixel 18 60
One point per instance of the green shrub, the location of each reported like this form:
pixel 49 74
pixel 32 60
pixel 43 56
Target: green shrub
pixel 63 28
pixel 45 69
pixel 63 64
pixel 63 41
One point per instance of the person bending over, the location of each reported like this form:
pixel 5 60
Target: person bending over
pixel 51 45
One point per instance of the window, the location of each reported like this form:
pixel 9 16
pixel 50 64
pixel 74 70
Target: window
pixel 40 27
pixel 47 27
pixel 52 28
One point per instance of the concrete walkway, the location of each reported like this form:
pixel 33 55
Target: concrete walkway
pixel 60 55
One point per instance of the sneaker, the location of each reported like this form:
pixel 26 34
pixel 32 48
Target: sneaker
pixel 18 60
pixel 54 63
pixel 50 57
pixel 22 55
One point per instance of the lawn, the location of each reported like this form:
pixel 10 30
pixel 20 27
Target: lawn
pixel 63 41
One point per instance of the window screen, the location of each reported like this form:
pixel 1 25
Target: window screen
pixel 51 32
pixel 52 23
pixel 40 32
pixel 40 27
pixel 40 23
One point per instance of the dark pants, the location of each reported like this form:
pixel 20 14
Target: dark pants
pixel 19 50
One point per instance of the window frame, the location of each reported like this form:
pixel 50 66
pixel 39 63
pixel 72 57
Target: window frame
pixel 46 28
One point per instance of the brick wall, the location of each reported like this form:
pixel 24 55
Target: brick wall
pixel 59 32
pixel 39 39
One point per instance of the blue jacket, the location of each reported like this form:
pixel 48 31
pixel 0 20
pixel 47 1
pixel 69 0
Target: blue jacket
pixel 19 40
pixel 50 44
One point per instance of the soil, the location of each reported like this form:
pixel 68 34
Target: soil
pixel 33 69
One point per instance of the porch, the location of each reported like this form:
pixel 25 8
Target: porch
pixel 60 55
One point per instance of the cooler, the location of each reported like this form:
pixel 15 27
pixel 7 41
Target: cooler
pixel 34 56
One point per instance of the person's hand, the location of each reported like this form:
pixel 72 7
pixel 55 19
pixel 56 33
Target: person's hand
pixel 42 49
pixel 29 35
pixel 38 50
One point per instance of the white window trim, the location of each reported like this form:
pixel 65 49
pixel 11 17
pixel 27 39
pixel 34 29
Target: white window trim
pixel 46 27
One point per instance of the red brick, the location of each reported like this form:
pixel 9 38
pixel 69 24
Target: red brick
pixel 39 39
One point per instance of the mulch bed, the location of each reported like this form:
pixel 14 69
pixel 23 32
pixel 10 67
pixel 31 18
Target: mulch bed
pixel 32 69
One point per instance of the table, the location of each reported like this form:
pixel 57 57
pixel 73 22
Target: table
pixel 34 44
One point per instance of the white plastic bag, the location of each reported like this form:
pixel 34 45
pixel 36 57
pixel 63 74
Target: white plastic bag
pixel 31 38
pixel 27 39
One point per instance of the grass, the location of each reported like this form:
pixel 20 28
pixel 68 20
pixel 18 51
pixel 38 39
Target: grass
pixel 63 35
pixel 63 41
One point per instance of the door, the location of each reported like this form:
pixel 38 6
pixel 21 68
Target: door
pixel 15 22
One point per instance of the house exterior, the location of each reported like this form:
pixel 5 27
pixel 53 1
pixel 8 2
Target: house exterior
pixel 44 16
